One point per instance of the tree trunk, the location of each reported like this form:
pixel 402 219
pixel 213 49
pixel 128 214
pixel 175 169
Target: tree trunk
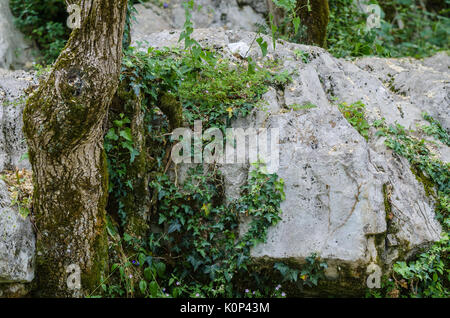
pixel 63 124
pixel 315 20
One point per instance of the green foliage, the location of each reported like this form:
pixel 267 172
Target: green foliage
pixel 201 244
pixel 407 29
pixel 209 91
pixel 310 273
pixel 120 150
pixel 435 129
pixel 355 115
pixel 347 35
pixel 420 157
pixel 429 275
pixel 43 22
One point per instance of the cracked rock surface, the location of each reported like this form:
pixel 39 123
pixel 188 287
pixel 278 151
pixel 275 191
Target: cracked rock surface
pixel 336 182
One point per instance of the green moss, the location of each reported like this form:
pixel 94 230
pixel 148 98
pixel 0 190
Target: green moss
pixel 172 108
pixel 91 280
pixel 387 203
pixel 427 183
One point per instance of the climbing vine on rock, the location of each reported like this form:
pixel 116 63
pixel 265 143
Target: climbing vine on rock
pixel 428 275
pixel 195 237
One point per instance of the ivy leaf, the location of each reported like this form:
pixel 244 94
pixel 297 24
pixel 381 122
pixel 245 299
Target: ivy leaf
pixel 111 135
pixel 296 22
pixel 263 45
pixel 174 227
pixel 153 287
pixel 126 134
pixel 143 286
pixel 148 273
pixel 160 269
pixel 282 268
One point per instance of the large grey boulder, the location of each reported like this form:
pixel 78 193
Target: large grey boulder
pixel 15 51
pixel 17 242
pixel 338 185
pixel 424 84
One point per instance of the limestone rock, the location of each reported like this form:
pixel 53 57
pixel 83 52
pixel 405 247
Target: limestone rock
pixel 335 180
pixel 233 14
pixel 424 84
pixel 17 242
pixel 15 52
pixel 150 18
pixel 12 103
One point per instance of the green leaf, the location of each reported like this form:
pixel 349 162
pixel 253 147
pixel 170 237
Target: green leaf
pixel 296 22
pixel 148 273
pixel 143 286
pixel 160 269
pixel 153 287
pixel 126 134
pixel 111 135
pixel 263 45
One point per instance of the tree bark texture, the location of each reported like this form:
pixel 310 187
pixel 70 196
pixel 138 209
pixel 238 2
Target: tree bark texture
pixel 315 20
pixel 63 124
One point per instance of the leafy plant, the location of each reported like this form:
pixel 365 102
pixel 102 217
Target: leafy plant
pixel 43 22
pixel 310 273
pixel 407 29
pixel 120 150
pixel 355 115
pixel 429 274
pixel 201 243
pixel 435 129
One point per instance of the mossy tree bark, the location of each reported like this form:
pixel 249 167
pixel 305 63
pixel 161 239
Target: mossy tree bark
pixel 315 20
pixel 63 124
